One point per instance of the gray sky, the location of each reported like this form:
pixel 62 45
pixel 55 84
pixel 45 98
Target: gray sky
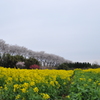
pixel 68 28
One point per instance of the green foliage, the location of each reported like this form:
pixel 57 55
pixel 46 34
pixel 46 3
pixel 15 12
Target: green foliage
pixel 63 66
pixel 9 61
pixel 74 65
pixel 85 86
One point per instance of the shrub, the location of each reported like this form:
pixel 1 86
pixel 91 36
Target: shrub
pixel 63 66
pixel 34 66
pixel 31 61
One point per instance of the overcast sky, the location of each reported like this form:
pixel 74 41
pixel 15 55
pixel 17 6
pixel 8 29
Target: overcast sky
pixel 68 28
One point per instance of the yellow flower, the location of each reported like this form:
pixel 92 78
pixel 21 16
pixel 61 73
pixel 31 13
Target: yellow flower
pixel 89 80
pixel 9 79
pixel 25 85
pixel 81 79
pixel 23 98
pixel 35 89
pixel 64 83
pixel 17 97
pixel 16 79
pixel 68 79
pixel 24 90
pixel 98 83
pixel 21 79
pixel 68 96
pixel 5 88
pixel 32 83
pixel 45 96
pixel 16 86
pixel 73 83
pixel 52 83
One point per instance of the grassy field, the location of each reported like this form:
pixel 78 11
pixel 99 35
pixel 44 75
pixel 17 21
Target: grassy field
pixel 25 84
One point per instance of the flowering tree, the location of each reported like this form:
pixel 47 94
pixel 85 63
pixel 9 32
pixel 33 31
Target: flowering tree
pixel 20 64
pixel 34 66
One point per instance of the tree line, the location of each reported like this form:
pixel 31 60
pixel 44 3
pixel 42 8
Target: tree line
pixel 45 59
pixel 11 54
pixel 74 65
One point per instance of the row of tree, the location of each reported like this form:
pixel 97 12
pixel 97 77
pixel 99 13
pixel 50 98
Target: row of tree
pixel 11 54
pixel 7 60
pixel 74 65
pixel 45 59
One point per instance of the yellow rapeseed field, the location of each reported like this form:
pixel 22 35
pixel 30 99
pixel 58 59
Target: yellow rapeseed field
pixel 24 81
pixel 27 84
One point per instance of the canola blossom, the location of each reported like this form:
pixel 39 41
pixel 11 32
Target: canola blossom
pixel 26 84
